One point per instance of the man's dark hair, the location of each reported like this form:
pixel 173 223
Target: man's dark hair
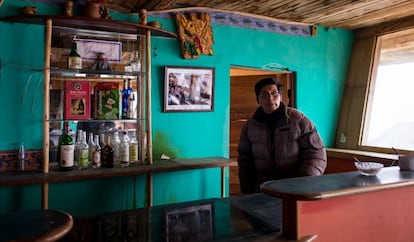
pixel 264 82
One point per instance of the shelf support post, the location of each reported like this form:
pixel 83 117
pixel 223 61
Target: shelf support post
pixel 46 105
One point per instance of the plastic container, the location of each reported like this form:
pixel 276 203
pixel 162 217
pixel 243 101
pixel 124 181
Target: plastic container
pixel 406 162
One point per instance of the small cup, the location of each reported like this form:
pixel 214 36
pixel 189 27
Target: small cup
pixel 406 162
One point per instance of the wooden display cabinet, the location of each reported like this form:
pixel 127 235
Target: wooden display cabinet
pixel 60 31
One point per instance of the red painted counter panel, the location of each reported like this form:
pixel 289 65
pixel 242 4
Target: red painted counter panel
pixel 347 206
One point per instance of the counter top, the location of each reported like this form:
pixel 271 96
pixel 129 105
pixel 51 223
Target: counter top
pixel 243 218
pixel 13 178
pixel 338 184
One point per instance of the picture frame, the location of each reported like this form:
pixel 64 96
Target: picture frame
pixel 195 223
pixel 188 89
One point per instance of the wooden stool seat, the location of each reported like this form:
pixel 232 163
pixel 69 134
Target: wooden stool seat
pixel 36 225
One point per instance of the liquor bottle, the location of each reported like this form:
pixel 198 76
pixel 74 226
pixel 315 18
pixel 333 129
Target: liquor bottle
pixel 84 152
pixel 66 150
pixel 102 140
pixel 116 142
pixel 124 149
pixel 96 156
pixel 78 147
pixel 74 59
pixel 124 104
pixel 131 100
pixel 107 154
pixel 91 145
pixel 133 148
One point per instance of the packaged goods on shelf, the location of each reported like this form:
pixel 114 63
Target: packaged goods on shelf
pixel 77 100
pixel 107 101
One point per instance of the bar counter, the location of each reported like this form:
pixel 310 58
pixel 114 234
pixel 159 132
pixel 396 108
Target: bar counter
pixel 348 206
pixel 253 217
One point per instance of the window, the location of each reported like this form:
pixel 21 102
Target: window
pixel 389 114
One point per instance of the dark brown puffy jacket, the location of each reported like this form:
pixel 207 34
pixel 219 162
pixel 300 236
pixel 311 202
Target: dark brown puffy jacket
pixel 292 148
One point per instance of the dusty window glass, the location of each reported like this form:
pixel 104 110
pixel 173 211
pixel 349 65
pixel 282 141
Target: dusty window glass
pixel 389 113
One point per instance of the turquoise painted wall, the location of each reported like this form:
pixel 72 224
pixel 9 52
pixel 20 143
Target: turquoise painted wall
pixel 320 62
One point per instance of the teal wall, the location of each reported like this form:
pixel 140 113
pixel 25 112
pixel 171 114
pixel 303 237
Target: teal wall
pixel 320 62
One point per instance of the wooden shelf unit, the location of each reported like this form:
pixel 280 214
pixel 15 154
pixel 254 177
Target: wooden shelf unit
pixel 83 25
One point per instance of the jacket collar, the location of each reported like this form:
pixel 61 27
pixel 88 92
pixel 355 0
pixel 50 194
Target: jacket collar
pixel 280 115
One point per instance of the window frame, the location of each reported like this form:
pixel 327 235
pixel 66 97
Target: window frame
pixel 358 84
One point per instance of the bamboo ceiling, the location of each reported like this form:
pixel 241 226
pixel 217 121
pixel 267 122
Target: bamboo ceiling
pixel 348 14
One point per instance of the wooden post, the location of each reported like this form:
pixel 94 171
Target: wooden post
pixel 148 101
pixel 223 182
pixel 46 105
pixel 149 190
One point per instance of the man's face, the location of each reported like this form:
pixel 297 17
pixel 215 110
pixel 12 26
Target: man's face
pixel 269 98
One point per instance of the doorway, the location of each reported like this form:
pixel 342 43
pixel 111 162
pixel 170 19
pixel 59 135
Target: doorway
pixel 243 104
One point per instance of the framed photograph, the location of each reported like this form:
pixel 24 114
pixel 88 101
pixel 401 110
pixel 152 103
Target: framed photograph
pixel 192 223
pixel 188 89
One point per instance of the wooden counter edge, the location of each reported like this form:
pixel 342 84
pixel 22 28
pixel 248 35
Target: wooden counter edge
pixel 281 238
pixel 36 177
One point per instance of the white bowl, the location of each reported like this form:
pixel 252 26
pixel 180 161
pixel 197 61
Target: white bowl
pixel 368 168
pixel 406 162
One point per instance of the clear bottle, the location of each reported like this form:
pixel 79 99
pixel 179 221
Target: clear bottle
pixel 96 155
pixel 124 149
pixel 107 154
pixel 21 158
pixel 66 149
pixel 116 142
pixel 133 148
pixel 74 59
pixel 84 152
pixel 102 140
pixel 91 145
pixel 78 147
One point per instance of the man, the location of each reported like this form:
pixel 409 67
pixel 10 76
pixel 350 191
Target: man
pixel 277 142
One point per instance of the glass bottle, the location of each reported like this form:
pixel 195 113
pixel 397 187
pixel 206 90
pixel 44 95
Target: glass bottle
pixel 102 140
pixel 96 156
pixel 124 149
pixel 66 149
pixel 91 145
pixel 78 147
pixel 131 100
pixel 74 59
pixel 107 154
pixel 116 142
pixel 84 152
pixel 133 148
pixel 124 104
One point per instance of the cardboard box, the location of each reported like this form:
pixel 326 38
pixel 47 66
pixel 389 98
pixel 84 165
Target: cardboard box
pixel 107 101
pixel 77 100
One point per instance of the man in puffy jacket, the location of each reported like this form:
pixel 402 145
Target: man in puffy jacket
pixel 277 142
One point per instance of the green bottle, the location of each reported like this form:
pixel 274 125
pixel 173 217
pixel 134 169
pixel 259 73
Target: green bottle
pixel 66 150
pixel 74 59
